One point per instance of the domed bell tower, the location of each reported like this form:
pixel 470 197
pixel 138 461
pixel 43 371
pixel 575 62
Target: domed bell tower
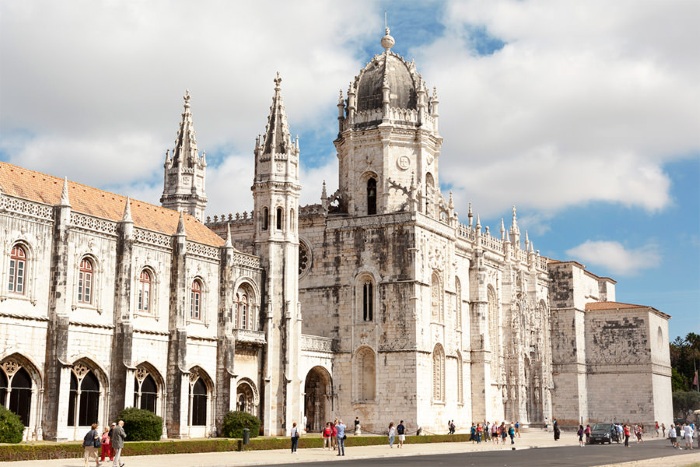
pixel 276 191
pixel 388 142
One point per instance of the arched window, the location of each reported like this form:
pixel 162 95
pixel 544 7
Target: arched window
pixel 19 384
pixel 436 297
pixel 438 374
pixel 196 300
pixel 367 301
pixel 371 196
pixel 18 267
pixel 366 375
pixel 198 399
pixel 458 303
pixel 243 310
pixel 144 292
pixel 245 399
pixel 85 396
pixel 145 391
pixel 279 218
pixel 265 219
pixel 85 280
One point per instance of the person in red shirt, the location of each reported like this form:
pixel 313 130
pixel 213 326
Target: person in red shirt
pixel 327 433
pixel 626 431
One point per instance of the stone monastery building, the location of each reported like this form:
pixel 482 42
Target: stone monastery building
pixel 376 302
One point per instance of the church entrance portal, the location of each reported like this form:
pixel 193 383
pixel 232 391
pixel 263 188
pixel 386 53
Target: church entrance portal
pixel 318 398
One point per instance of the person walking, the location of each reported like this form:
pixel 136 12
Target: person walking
pixel 672 437
pixel 626 431
pixel 295 437
pixel 401 430
pixel 392 434
pixel 334 435
pixel 557 431
pixel 517 428
pixel 511 433
pixel 688 433
pixel 663 430
pixel 587 432
pixel 340 430
pixel 91 443
pixel 106 446
pixel 118 437
pixel 580 435
pixel 358 429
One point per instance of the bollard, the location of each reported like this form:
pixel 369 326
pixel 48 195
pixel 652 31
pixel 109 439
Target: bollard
pixel 246 435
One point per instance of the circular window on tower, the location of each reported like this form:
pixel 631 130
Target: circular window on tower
pixel 304 258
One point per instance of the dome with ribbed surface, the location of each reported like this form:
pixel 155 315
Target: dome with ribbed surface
pixel 392 69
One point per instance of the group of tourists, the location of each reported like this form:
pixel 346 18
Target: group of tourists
pixel 684 431
pixel 494 432
pixel 334 435
pixel 108 444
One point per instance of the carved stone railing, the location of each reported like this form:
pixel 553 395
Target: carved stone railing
pixel 316 343
pixel 94 224
pixel 205 251
pixel 152 238
pixel 248 336
pixel 244 260
pixel 28 208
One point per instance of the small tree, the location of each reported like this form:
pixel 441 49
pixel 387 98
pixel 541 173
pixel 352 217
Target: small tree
pixel 141 425
pixel 234 422
pixel 11 426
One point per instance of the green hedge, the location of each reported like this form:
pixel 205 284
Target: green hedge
pixel 141 425
pixel 71 450
pixel 11 426
pixel 235 422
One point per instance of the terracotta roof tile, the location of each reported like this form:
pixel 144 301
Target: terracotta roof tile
pixel 36 186
pixel 592 306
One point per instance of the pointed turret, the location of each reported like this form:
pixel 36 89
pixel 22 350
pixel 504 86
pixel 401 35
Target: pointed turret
pixel 277 139
pixel 127 211
pixel 65 201
pixel 185 170
pixel 515 230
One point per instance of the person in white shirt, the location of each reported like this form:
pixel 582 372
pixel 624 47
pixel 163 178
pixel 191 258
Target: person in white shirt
pixel 688 436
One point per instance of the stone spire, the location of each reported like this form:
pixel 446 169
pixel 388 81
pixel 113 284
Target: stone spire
pixel 277 139
pixel 185 170
pixel 65 201
pixel 515 230
pixel 185 152
pixel 127 211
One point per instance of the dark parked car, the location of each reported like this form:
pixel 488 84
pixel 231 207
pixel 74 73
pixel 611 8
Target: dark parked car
pixel 604 433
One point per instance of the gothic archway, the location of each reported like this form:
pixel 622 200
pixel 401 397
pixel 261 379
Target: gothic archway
pixel 318 396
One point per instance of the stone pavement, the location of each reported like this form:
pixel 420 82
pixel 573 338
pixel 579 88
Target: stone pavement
pixel 529 440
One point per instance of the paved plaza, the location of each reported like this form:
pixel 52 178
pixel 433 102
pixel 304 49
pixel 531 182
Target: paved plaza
pixel 529 440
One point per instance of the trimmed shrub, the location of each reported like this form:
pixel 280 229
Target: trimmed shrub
pixel 11 426
pixel 234 422
pixel 141 425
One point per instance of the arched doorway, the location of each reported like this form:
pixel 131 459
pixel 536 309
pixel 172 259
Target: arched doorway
pixel 318 398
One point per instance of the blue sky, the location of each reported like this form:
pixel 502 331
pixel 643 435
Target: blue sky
pixel 583 114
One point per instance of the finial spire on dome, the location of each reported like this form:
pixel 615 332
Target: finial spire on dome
pixel 387 41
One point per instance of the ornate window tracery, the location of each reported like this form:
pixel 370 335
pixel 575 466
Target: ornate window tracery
pixel 85 280
pixel 18 268
pixel 84 399
pixel 16 383
pixel 144 291
pixel 438 374
pixel 196 300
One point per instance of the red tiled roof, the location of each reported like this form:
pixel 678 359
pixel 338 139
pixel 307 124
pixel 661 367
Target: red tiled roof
pixel 592 306
pixel 36 186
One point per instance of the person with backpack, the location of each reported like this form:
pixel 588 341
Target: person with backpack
pixel 91 444
pixel 580 435
pixel 401 430
pixel 511 433
pixel 295 437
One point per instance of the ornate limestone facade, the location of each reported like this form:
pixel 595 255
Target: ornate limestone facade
pixel 376 302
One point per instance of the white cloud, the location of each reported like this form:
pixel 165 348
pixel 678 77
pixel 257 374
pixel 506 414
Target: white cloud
pixel 614 257
pixel 586 102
